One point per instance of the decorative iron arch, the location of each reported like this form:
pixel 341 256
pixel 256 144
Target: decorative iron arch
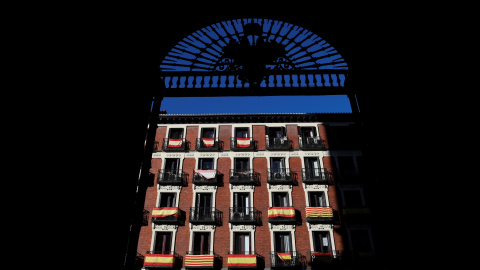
pixel 250 53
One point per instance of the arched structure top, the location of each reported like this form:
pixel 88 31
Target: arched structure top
pixel 252 53
pixel 210 48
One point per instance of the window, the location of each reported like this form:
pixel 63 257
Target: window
pixel 353 198
pixel 242 164
pixel 241 244
pixel 167 199
pixel 241 203
pixel 312 166
pixel 172 165
pixel 208 133
pixel 176 133
pixel 321 242
pixel 278 165
pixel 241 132
pixel 280 199
pixel 308 132
pixel 205 164
pixel 317 199
pixel 360 242
pixel 201 243
pixel 283 242
pixel 163 242
pixel 276 132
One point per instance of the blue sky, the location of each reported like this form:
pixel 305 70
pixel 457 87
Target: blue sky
pixel 267 104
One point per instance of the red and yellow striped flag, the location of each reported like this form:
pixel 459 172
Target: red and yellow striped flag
pixel 281 212
pixel 243 142
pixel 159 260
pixel 319 212
pixel 240 260
pixel 208 142
pixel 165 212
pixel 284 256
pixel 198 260
pixel 175 142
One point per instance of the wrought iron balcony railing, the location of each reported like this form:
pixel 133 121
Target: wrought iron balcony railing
pixel 311 143
pixel 168 177
pixel 205 215
pixel 244 215
pixel 285 259
pixel 205 144
pixel 281 176
pixel 322 257
pixel 242 144
pixel 278 144
pixel 174 145
pixel 205 177
pixel 317 176
pixel 244 177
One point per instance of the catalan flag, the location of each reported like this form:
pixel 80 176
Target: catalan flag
pixel 243 142
pixel 208 142
pixel 159 260
pixel 199 260
pixel 240 260
pixel 165 212
pixel 281 212
pixel 285 256
pixel 319 212
pixel 175 142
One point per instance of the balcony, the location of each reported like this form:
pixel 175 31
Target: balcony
pixel 160 259
pixel 174 145
pixel 318 258
pixel 281 176
pixel 317 176
pixel 320 214
pixel 281 215
pixel 311 143
pixel 285 259
pixel 201 259
pixel 171 178
pixel 205 177
pixel 205 215
pixel 278 144
pixel 244 215
pixel 206 145
pixel 246 259
pixel 244 177
pixel 242 144
pixel 166 215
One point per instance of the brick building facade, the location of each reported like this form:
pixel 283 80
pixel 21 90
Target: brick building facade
pixel 256 190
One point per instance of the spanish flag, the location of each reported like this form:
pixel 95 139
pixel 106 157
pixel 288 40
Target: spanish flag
pixel 175 142
pixel 243 142
pixel 208 142
pixel 240 260
pixel 284 256
pixel 281 212
pixel 319 212
pixel 165 212
pixel 198 260
pixel 159 260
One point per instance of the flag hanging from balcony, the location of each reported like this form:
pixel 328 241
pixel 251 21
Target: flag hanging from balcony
pixel 165 212
pixel 207 174
pixel 243 142
pixel 319 212
pixel 284 256
pixel 328 254
pixel 175 142
pixel 240 260
pixel 159 260
pixel 208 142
pixel 198 260
pixel 281 212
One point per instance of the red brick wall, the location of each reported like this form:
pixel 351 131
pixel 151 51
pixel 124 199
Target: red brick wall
pixel 322 132
pixel 259 136
pixel 224 134
pixel 222 233
pixel 260 201
pixel 292 134
pixel 191 137
pixel 160 135
pixel 185 202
